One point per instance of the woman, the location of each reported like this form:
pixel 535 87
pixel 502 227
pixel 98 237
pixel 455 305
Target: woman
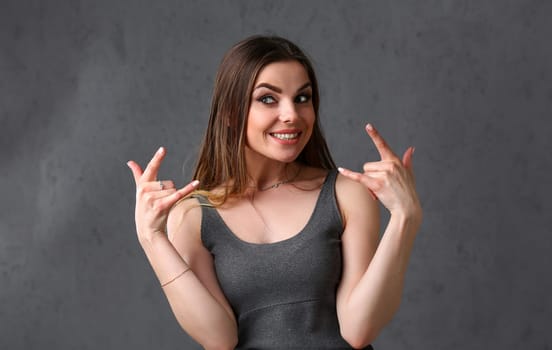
pixel 272 247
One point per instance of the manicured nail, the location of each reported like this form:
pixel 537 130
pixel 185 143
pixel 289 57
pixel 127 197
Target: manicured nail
pixel 369 127
pixel 413 149
pixel 340 170
pixel 160 150
pixel 128 163
pixel 195 183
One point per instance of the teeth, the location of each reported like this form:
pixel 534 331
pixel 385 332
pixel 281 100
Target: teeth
pixel 286 136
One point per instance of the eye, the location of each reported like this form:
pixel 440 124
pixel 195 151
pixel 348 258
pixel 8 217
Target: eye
pixel 303 98
pixel 267 99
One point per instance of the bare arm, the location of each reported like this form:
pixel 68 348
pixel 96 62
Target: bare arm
pixel 180 263
pixel 373 272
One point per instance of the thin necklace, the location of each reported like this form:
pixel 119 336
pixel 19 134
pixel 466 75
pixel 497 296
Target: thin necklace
pixel 276 185
pixel 279 183
pixel 267 228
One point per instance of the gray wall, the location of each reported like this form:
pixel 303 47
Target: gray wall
pixel 87 85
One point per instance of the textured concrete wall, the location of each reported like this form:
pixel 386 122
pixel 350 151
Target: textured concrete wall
pixel 87 85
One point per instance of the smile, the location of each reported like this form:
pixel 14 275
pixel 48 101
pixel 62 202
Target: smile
pixel 286 136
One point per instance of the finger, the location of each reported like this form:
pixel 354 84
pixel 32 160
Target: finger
pixel 361 178
pixel 136 170
pixel 184 191
pixel 166 184
pixel 155 195
pixel 156 185
pixel 383 149
pixel 169 201
pixel 383 165
pixel 150 173
pixel 407 160
pixel 153 187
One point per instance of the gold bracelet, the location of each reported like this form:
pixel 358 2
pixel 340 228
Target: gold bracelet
pixel 175 278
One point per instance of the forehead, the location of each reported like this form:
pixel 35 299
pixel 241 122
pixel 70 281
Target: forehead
pixel 283 73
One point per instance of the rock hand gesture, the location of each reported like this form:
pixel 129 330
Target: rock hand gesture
pixel 391 180
pixel 154 198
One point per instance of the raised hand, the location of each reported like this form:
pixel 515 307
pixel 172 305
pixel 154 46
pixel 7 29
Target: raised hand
pixel 391 180
pixel 154 198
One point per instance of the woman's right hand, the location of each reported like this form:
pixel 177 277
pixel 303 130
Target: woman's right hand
pixel 154 198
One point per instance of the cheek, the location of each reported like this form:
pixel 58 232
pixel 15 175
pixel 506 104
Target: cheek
pixel 310 121
pixel 259 119
pixel 310 117
pixel 255 124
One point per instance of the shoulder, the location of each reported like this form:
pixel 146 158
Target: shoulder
pixel 354 200
pixel 184 222
pixel 344 185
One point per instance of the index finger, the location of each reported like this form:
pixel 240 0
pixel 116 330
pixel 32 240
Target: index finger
pixel 150 173
pixel 382 147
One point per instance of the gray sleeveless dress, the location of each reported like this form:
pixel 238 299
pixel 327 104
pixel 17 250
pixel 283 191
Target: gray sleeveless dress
pixel 283 294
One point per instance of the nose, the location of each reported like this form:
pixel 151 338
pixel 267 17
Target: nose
pixel 288 112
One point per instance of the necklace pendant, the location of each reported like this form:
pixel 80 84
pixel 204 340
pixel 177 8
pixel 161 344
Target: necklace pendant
pixel 276 185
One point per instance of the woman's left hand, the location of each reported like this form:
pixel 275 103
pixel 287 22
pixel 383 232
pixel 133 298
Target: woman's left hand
pixel 391 180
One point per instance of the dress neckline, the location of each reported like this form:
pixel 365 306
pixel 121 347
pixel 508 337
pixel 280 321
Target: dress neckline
pixel 297 236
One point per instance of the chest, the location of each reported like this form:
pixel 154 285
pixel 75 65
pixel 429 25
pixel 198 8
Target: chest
pixel 306 266
pixel 270 217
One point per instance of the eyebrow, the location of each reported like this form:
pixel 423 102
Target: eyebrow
pixel 277 89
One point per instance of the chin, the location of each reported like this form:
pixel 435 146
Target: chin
pixel 282 158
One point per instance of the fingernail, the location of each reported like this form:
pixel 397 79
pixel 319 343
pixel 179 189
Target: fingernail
pixel 128 163
pixel 160 150
pixel 413 149
pixel 195 183
pixel 369 127
pixel 340 170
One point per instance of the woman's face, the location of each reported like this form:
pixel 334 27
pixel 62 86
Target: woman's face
pixel 281 115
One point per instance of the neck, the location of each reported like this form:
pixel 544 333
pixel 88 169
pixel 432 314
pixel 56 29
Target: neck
pixel 287 179
pixel 266 174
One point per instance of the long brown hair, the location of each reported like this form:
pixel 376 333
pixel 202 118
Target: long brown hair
pixel 221 158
